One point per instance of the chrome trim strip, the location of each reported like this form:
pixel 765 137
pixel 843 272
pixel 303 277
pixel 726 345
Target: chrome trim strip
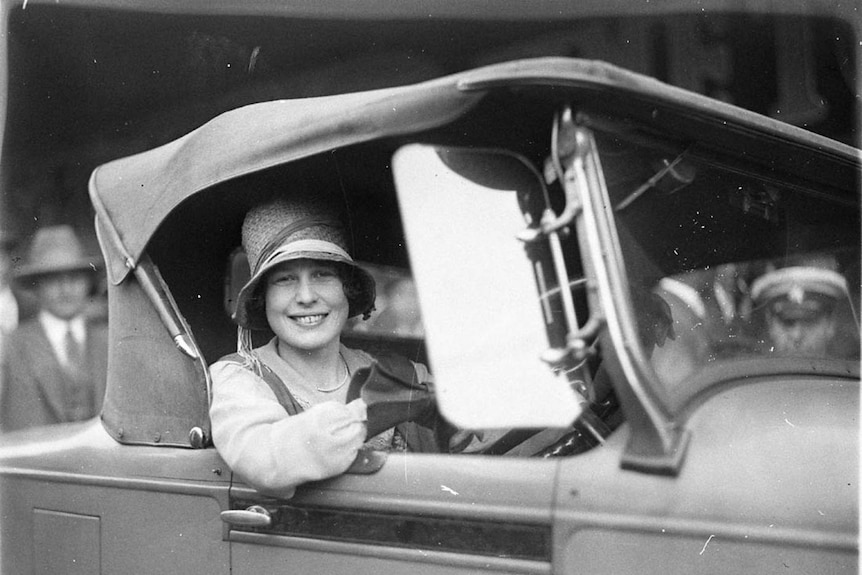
pixel 476 562
pixel 573 521
pixel 190 487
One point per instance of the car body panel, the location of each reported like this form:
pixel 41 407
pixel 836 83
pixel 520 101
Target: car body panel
pixel 104 503
pixel 765 486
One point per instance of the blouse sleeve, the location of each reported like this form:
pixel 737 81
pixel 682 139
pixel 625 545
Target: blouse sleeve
pixel 271 450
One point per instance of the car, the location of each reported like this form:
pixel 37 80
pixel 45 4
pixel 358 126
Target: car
pixel 543 209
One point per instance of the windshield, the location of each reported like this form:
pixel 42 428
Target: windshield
pixel 727 265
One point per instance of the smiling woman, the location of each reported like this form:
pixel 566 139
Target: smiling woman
pixel 280 412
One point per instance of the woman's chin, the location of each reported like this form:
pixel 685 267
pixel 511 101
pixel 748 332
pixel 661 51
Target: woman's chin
pixel 312 340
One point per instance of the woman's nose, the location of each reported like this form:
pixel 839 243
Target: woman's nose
pixel 305 292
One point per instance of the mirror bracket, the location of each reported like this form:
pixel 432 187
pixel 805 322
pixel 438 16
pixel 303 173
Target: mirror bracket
pixel 571 147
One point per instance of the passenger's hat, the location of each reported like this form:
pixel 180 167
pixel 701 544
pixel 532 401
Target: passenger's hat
pixel 799 293
pixel 55 249
pixel 284 230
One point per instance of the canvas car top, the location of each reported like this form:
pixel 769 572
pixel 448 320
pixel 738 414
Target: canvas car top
pixel 133 195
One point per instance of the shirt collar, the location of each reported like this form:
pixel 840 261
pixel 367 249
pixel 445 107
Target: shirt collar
pixel 56 328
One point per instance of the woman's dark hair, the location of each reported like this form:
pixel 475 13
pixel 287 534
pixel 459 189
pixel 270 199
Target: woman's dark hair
pixel 353 289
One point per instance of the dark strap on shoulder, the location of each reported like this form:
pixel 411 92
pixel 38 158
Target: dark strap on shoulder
pixel 285 398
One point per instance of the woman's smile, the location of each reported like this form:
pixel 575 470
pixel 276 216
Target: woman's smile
pixel 309 320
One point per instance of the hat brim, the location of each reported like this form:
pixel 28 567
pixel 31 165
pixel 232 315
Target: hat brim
pixel 251 315
pixel 33 272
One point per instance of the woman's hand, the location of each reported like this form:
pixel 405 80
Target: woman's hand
pixel 342 429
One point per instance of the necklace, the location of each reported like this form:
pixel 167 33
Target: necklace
pixel 343 381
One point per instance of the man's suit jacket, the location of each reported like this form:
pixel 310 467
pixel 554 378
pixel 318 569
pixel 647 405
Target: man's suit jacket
pixel 35 385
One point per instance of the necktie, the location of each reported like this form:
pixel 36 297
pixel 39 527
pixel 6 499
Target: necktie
pixel 78 391
pixel 74 353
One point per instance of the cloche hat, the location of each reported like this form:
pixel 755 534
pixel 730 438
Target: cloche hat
pixel 55 249
pixel 291 229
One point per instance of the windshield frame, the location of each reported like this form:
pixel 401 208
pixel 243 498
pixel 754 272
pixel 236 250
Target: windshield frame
pixel 658 435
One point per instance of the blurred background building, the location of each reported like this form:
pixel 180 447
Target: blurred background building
pixel 87 81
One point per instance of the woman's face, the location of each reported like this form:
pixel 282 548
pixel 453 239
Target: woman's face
pixel 305 304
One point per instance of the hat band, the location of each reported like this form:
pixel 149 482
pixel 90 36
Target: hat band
pixel 799 279
pixel 304 247
pixel 280 239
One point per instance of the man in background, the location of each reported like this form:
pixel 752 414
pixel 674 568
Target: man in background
pixel 55 364
pixel 800 303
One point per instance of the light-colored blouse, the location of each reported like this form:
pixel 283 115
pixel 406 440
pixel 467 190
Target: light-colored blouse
pixel 275 452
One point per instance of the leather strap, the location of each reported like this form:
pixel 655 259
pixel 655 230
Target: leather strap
pixel 285 398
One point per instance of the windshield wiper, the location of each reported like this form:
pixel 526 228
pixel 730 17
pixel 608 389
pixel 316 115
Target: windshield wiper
pixel 682 179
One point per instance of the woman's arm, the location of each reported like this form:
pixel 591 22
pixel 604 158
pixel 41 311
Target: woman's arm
pixel 271 450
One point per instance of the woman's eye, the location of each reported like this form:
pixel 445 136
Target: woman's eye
pixel 324 274
pixel 283 279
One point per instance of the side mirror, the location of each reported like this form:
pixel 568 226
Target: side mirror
pixel 483 315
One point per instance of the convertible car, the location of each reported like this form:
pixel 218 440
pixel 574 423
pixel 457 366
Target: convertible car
pixel 594 256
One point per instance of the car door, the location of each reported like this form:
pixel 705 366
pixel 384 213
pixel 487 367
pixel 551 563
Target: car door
pixel 418 513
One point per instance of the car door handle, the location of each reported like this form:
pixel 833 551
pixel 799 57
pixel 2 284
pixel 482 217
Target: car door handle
pixel 254 516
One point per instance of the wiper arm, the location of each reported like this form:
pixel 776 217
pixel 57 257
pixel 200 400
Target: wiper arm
pixel 683 180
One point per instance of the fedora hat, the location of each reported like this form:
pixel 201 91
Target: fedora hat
pixel 284 230
pixel 55 249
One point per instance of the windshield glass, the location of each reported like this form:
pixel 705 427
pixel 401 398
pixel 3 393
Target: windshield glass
pixel 728 265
